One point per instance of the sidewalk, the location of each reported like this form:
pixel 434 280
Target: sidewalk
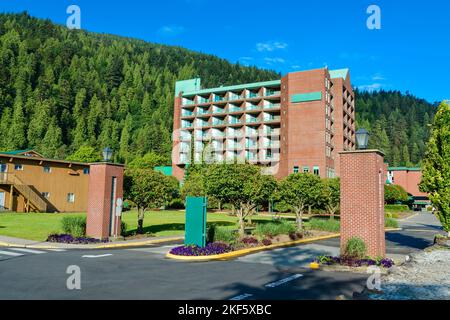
pixel 23 243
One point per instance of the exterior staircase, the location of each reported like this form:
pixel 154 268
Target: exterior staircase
pixel 33 199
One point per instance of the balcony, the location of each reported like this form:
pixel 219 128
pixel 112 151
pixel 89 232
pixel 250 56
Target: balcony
pixel 252 120
pixel 234 121
pixel 234 109
pixel 187 102
pixel 219 99
pixel 203 112
pixel 186 113
pixel 202 100
pixel 272 119
pixel 272 106
pixel 270 93
pixel 216 122
pixel 187 125
pixel 252 95
pixel 219 111
pixel 234 97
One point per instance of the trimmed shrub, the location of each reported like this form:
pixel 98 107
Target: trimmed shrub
pixel 282 207
pixel 176 204
pixel 324 225
pixel 396 208
pixel 221 234
pixel 355 248
pixel 266 242
pixel 390 223
pixel 394 194
pixel 75 226
pixel 274 229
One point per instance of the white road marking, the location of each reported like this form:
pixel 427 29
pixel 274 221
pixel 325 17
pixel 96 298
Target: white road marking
pixel 13 254
pixel 283 281
pixel 57 250
pixel 27 250
pixel 99 256
pixel 241 297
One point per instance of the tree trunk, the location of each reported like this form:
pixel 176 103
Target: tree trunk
pixel 299 216
pixel 241 223
pixel 448 235
pixel 309 210
pixel 141 215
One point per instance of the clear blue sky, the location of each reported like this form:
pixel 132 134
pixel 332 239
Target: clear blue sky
pixel 410 52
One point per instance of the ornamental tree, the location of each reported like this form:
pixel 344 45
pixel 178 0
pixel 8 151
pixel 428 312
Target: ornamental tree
pixel 436 166
pixel 331 195
pixel 148 189
pixel 240 185
pixel 395 193
pixel 300 191
pixel 86 154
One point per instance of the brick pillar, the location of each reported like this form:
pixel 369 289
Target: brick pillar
pixel 362 199
pixel 101 205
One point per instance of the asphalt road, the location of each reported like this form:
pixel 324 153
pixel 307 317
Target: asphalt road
pixel 144 273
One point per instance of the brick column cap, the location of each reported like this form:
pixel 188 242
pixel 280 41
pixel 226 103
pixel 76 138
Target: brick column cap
pixel 106 164
pixel 381 153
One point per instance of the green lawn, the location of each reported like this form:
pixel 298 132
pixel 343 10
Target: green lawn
pixel 37 226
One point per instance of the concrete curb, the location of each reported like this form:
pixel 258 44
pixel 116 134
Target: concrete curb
pixel 244 252
pixel 240 253
pixel 105 246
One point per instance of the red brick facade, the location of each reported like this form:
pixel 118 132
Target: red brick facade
pixel 99 200
pixel 362 199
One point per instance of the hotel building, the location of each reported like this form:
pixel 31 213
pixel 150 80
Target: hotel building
pixel 298 123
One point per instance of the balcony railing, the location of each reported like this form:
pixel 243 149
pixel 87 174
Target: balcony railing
pixel 218 122
pixel 219 111
pixel 187 114
pixel 270 119
pixel 252 120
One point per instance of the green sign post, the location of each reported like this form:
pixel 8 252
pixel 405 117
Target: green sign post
pixel 195 233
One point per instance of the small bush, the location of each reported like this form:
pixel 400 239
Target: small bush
pixel 324 225
pixel 75 226
pixel 282 207
pixel 396 208
pixel 195 251
pixel 274 229
pixel 390 223
pixel 176 204
pixel 123 229
pixel 355 248
pixel 221 234
pixel 266 242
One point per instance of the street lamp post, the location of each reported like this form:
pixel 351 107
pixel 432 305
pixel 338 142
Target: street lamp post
pixel 107 154
pixel 362 139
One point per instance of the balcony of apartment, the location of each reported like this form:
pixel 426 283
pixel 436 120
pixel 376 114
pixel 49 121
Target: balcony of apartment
pixel 252 95
pixel 217 134
pixel 185 136
pixel 187 125
pixel 232 96
pixel 252 120
pixel 188 103
pixel 218 122
pixel 218 99
pixel 202 100
pixel 185 147
pixel 203 112
pixel 251 157
pixel 251 132
pixel 200 123
pixel 234 133
pixel 252 108
pixel 270 144
pixel 251 144
pixel 272 92
pixel 219 110
pixel 233 145
pixel 233 109
pixel 271 106
pixel 270 117
pixel 183 159
pixel 235 121
pixel 187 114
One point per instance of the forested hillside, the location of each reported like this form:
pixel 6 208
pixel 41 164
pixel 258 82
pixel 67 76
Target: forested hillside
pixel 61 89
pixel 399 124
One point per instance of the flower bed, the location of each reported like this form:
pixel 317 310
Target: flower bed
pixel 352 262
pixel 195 251
pixel 69 239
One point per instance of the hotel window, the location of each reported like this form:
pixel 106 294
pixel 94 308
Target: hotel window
pixel 46 195
pixel 296 169
pixel 18 167
pixel 47 169
pixel 71 197
pixel 86 171
pixel 317 171
pixel 305 169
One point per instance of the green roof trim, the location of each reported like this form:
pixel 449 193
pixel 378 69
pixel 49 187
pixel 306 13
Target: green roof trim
pixel 249 86
pixel 167 171
pixel 187 85
pixel 306 97
pixel 340 73
pixel 403 169
pixel 15 152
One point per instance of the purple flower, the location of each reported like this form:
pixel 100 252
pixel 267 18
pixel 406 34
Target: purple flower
pixel 69 239
pixel 195 251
